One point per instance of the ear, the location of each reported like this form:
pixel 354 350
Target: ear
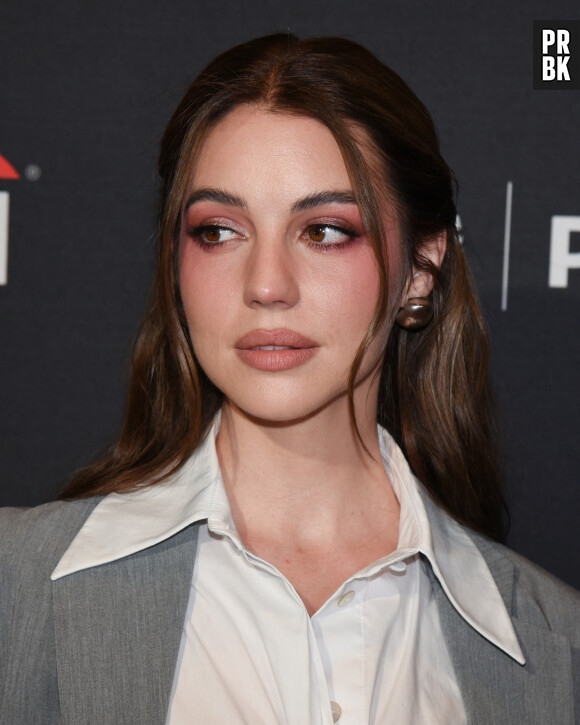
pixel 421 283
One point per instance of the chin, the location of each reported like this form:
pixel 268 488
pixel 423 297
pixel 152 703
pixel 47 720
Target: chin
pixel 286 410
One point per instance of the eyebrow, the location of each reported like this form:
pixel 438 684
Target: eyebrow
pixel 311 201
pixel 217 195
pixel 323 198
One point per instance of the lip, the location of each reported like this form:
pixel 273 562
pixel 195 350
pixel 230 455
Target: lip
pixel 280 337
pixel 298 349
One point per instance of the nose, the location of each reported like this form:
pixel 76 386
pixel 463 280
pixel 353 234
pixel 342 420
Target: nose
pixel 271 275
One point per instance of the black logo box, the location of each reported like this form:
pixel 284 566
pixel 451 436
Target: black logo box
pixel 573 63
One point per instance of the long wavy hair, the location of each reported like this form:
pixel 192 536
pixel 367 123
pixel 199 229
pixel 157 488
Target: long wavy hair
pixel 434 394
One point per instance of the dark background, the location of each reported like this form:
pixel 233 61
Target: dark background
pixel 85 91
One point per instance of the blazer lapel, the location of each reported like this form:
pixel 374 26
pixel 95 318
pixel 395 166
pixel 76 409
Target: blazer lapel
pixel 118 630
pixel 496 688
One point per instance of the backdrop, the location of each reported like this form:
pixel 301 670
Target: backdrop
pixel 85 91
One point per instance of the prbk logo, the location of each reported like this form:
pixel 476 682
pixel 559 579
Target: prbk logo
pixel 7 171
pixel 556 55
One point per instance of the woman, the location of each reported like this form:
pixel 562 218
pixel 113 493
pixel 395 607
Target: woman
pixel 312 345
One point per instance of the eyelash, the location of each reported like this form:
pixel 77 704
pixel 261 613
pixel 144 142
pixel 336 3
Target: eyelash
pixel 350 234
pixel 197 234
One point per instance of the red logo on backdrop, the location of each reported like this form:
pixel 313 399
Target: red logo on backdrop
pixel 7 171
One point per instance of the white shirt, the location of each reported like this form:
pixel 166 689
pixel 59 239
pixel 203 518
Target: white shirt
pixel 373 653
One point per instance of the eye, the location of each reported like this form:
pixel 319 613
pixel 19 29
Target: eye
pixel 212 235
pixel 328 235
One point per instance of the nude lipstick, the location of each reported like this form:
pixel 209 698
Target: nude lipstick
pixel 275 349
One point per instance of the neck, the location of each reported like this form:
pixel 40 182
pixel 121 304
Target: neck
pixel 305 475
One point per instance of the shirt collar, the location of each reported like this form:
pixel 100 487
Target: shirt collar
pixel 123 524
pixel 454 557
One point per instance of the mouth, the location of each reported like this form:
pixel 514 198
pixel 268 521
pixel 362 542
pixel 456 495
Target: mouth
pixel 274 350
pixel 280 339
pixel 272 347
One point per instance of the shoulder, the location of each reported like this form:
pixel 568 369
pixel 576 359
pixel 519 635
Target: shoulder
pixel 35 538
pixel 541 597
pixel 532 594
pixel 31 543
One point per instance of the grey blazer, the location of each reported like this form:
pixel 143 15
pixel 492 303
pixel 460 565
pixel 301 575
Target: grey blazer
pixel 99 647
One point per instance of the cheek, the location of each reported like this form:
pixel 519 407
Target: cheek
pixel 204 290
pixel 349 291
pixel 192 285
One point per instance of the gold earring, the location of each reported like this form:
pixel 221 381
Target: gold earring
pixel 415 314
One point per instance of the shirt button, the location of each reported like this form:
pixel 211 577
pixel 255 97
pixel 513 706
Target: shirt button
pixel 398 566
pixel 344 600
pixel 336 711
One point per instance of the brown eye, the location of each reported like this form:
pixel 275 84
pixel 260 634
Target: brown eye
pixel 212 234
pixel 328 236
pixel 317 233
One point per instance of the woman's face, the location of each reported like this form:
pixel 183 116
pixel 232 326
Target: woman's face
pixel 278 279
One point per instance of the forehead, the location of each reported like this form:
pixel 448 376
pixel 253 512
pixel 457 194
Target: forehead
pixel 252 145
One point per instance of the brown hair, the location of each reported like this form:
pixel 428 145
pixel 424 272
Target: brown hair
pixel 434 395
